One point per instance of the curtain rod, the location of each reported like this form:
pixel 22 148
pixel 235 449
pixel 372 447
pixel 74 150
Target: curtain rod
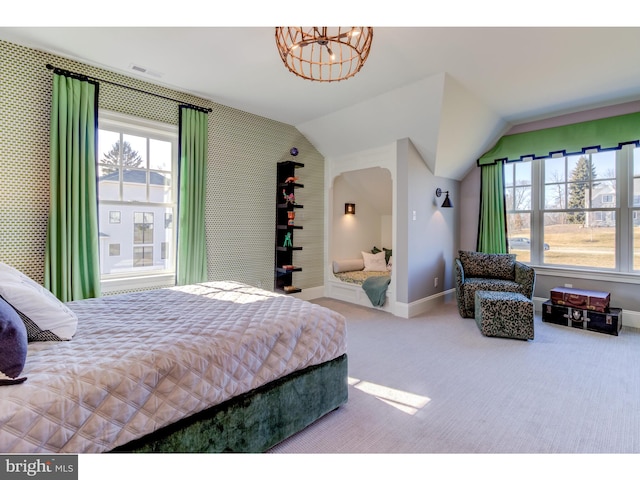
pixel 80 76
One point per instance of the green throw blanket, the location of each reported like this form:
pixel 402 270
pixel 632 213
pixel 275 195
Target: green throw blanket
pixel 376 289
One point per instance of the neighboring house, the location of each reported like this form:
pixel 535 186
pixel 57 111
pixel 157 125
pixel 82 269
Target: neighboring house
pixel 134 235
pixel 603 196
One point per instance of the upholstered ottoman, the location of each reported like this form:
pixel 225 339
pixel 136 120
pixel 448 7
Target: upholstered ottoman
pixel 504 314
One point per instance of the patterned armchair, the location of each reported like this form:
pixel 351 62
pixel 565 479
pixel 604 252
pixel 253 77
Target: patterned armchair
pixel 489 271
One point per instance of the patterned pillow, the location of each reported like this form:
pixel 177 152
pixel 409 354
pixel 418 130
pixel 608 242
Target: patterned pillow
pixel 488 265
pixel 13 345
pixel 45 317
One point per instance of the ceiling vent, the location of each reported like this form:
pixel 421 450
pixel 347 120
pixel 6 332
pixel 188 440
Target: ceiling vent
pixel 144 70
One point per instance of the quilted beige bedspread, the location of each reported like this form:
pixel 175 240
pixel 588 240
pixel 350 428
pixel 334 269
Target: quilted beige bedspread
pixel 145 360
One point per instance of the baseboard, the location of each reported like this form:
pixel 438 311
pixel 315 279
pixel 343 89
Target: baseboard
pixel 310 293
pixel 418 307
pixel 630 318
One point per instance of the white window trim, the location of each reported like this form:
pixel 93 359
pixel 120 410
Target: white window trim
pixel 623 272
pixel 122 284
pixel 114 283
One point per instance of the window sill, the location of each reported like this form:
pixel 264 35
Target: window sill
pixel 144 282
pixel 615 277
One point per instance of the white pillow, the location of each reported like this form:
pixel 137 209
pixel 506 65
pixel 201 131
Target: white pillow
pixel 349 265
pixel 390 264
pixel 374 262
pixel 45 317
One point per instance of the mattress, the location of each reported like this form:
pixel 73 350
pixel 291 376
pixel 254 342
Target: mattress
pixel 358 277
pixel 141 361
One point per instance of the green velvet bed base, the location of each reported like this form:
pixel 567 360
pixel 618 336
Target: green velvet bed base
pixel 257 420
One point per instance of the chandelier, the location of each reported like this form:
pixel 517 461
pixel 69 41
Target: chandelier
pixel 324 54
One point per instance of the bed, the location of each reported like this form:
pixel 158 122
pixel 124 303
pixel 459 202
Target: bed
pixel 218 367
pixel 358 277
pixel 364 281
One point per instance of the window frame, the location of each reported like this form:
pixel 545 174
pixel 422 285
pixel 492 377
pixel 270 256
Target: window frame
pixel 624 211
pixel 142 278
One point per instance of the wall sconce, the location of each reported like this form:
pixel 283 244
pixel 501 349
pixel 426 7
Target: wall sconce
pixel 447 202
pixel 350 208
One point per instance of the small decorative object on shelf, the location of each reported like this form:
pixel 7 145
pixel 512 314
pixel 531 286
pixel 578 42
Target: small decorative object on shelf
pixel 286 206
pixel 287 240
pixel 289 197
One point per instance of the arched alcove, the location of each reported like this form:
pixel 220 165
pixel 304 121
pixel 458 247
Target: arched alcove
pixel 371 190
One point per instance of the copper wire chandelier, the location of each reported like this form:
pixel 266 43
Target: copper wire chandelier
pixel 324 54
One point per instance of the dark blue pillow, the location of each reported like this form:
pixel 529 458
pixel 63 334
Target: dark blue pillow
pixel 13 345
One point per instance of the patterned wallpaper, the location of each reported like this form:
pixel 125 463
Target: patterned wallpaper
pixel 241 191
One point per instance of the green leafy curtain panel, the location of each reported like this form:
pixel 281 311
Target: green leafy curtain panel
pixel 602 134
pixel 72 262
pixel 192 246
pixel 492 227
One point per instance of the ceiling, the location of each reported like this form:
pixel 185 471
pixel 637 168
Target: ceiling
pixel 451 90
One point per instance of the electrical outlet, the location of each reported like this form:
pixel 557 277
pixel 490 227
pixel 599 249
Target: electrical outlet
pixel 568 285
pixel 435 282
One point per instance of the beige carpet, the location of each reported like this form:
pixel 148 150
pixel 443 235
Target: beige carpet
pixel 434 384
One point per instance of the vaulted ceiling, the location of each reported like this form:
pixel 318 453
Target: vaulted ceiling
pixel 451 90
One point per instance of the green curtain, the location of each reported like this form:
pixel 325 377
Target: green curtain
pixel 603 134
pixel 72 261
pixel 492 227
pixel 192 246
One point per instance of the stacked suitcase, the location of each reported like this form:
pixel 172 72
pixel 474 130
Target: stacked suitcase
pixel 586 309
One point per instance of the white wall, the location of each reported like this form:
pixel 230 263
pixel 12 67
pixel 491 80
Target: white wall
pixel 427 231
pixel 352 234
pixel 469 210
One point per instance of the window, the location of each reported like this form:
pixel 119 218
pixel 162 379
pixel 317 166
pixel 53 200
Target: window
pixel 137 164
pixel 142 256
pixel 143 227
pixel 577 211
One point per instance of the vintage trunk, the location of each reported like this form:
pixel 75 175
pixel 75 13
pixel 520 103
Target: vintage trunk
pixel 603 322
pixel 582 299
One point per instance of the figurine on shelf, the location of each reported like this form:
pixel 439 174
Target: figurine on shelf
pixel 287 240
pixel 291 180
pixel 291 215
pixel 290 198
